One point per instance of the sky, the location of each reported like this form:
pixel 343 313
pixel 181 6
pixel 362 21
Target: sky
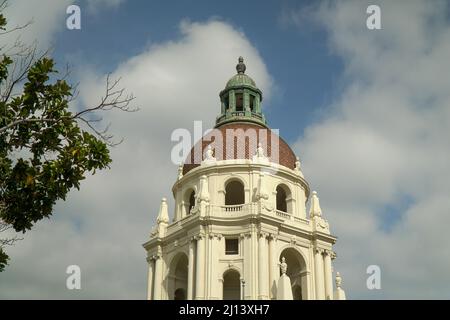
pixel 366 110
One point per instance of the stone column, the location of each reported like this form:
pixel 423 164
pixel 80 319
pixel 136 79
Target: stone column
pixel 248 274
pixel 200 269
pixel 263 273
pixel 158 282
pixel 328 276
pixel 318 263
pixel 213 261
pixel 190 287
pixel 272 263
pixel 221 288
pixel 150 279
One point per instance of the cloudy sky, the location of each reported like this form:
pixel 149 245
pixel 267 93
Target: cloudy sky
pixel 368 112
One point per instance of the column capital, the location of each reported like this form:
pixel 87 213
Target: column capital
pixel 263 234
pixel 157 256
pixel 218 236
pixel 328 252
pixel 273 236
pixel 199 236
pixel 318 250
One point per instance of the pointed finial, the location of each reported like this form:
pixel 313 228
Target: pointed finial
pixel 297 164
pixel 163 216
pixel 240 67
pixel 315 209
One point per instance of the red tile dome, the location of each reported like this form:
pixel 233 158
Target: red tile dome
pixel 248 131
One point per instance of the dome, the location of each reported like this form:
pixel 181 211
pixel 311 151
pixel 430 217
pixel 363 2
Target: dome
pixel 246 150
pixel 239 80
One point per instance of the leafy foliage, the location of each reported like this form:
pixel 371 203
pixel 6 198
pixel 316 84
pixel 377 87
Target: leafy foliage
pixel 44 153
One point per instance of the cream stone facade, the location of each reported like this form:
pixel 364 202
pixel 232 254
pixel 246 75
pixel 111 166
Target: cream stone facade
pixel 237 217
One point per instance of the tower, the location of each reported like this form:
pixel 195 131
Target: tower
pixel 240 227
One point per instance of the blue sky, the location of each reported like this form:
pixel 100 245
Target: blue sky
pixel 366 110
pixel 299 60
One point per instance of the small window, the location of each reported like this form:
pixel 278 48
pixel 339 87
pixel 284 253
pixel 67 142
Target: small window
pixel 231 246
pixel 226 102
pixel 239 102
pixel 191 201
pixel 281 199
pixel 252 103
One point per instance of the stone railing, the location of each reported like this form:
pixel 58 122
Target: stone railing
pixel 231 210
pixel 283 214
pixel 242 210
pixel 288 216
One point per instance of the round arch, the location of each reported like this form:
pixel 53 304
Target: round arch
pixel 231 284
pixel 284 198
pixel 234 191
pixel 177 277
pixel 296 271
pixel 189 199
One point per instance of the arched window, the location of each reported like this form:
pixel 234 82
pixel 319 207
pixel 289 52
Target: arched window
pixel 281 199
pixel 234 193
pixel 191 201
pixel 226 102
pixel 239 102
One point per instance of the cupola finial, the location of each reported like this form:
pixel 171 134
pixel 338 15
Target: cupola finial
pixel 240 67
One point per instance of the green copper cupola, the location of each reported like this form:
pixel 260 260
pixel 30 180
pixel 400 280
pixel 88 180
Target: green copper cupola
pixel 241 99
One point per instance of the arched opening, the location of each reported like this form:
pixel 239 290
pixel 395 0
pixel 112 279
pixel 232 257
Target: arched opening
pixel 239 102
pixel 234 193
pixel 296 271
pixel 252 103
pixel 227 104
pixel 189 200
pixel 178 274
pixel 231 285
pixel 284 199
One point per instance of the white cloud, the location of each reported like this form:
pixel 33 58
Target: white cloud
pixel 383 140
pixel 101 228
pixel 47 18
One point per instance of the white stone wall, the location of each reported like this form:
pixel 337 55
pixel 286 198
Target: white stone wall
pixel 263 234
